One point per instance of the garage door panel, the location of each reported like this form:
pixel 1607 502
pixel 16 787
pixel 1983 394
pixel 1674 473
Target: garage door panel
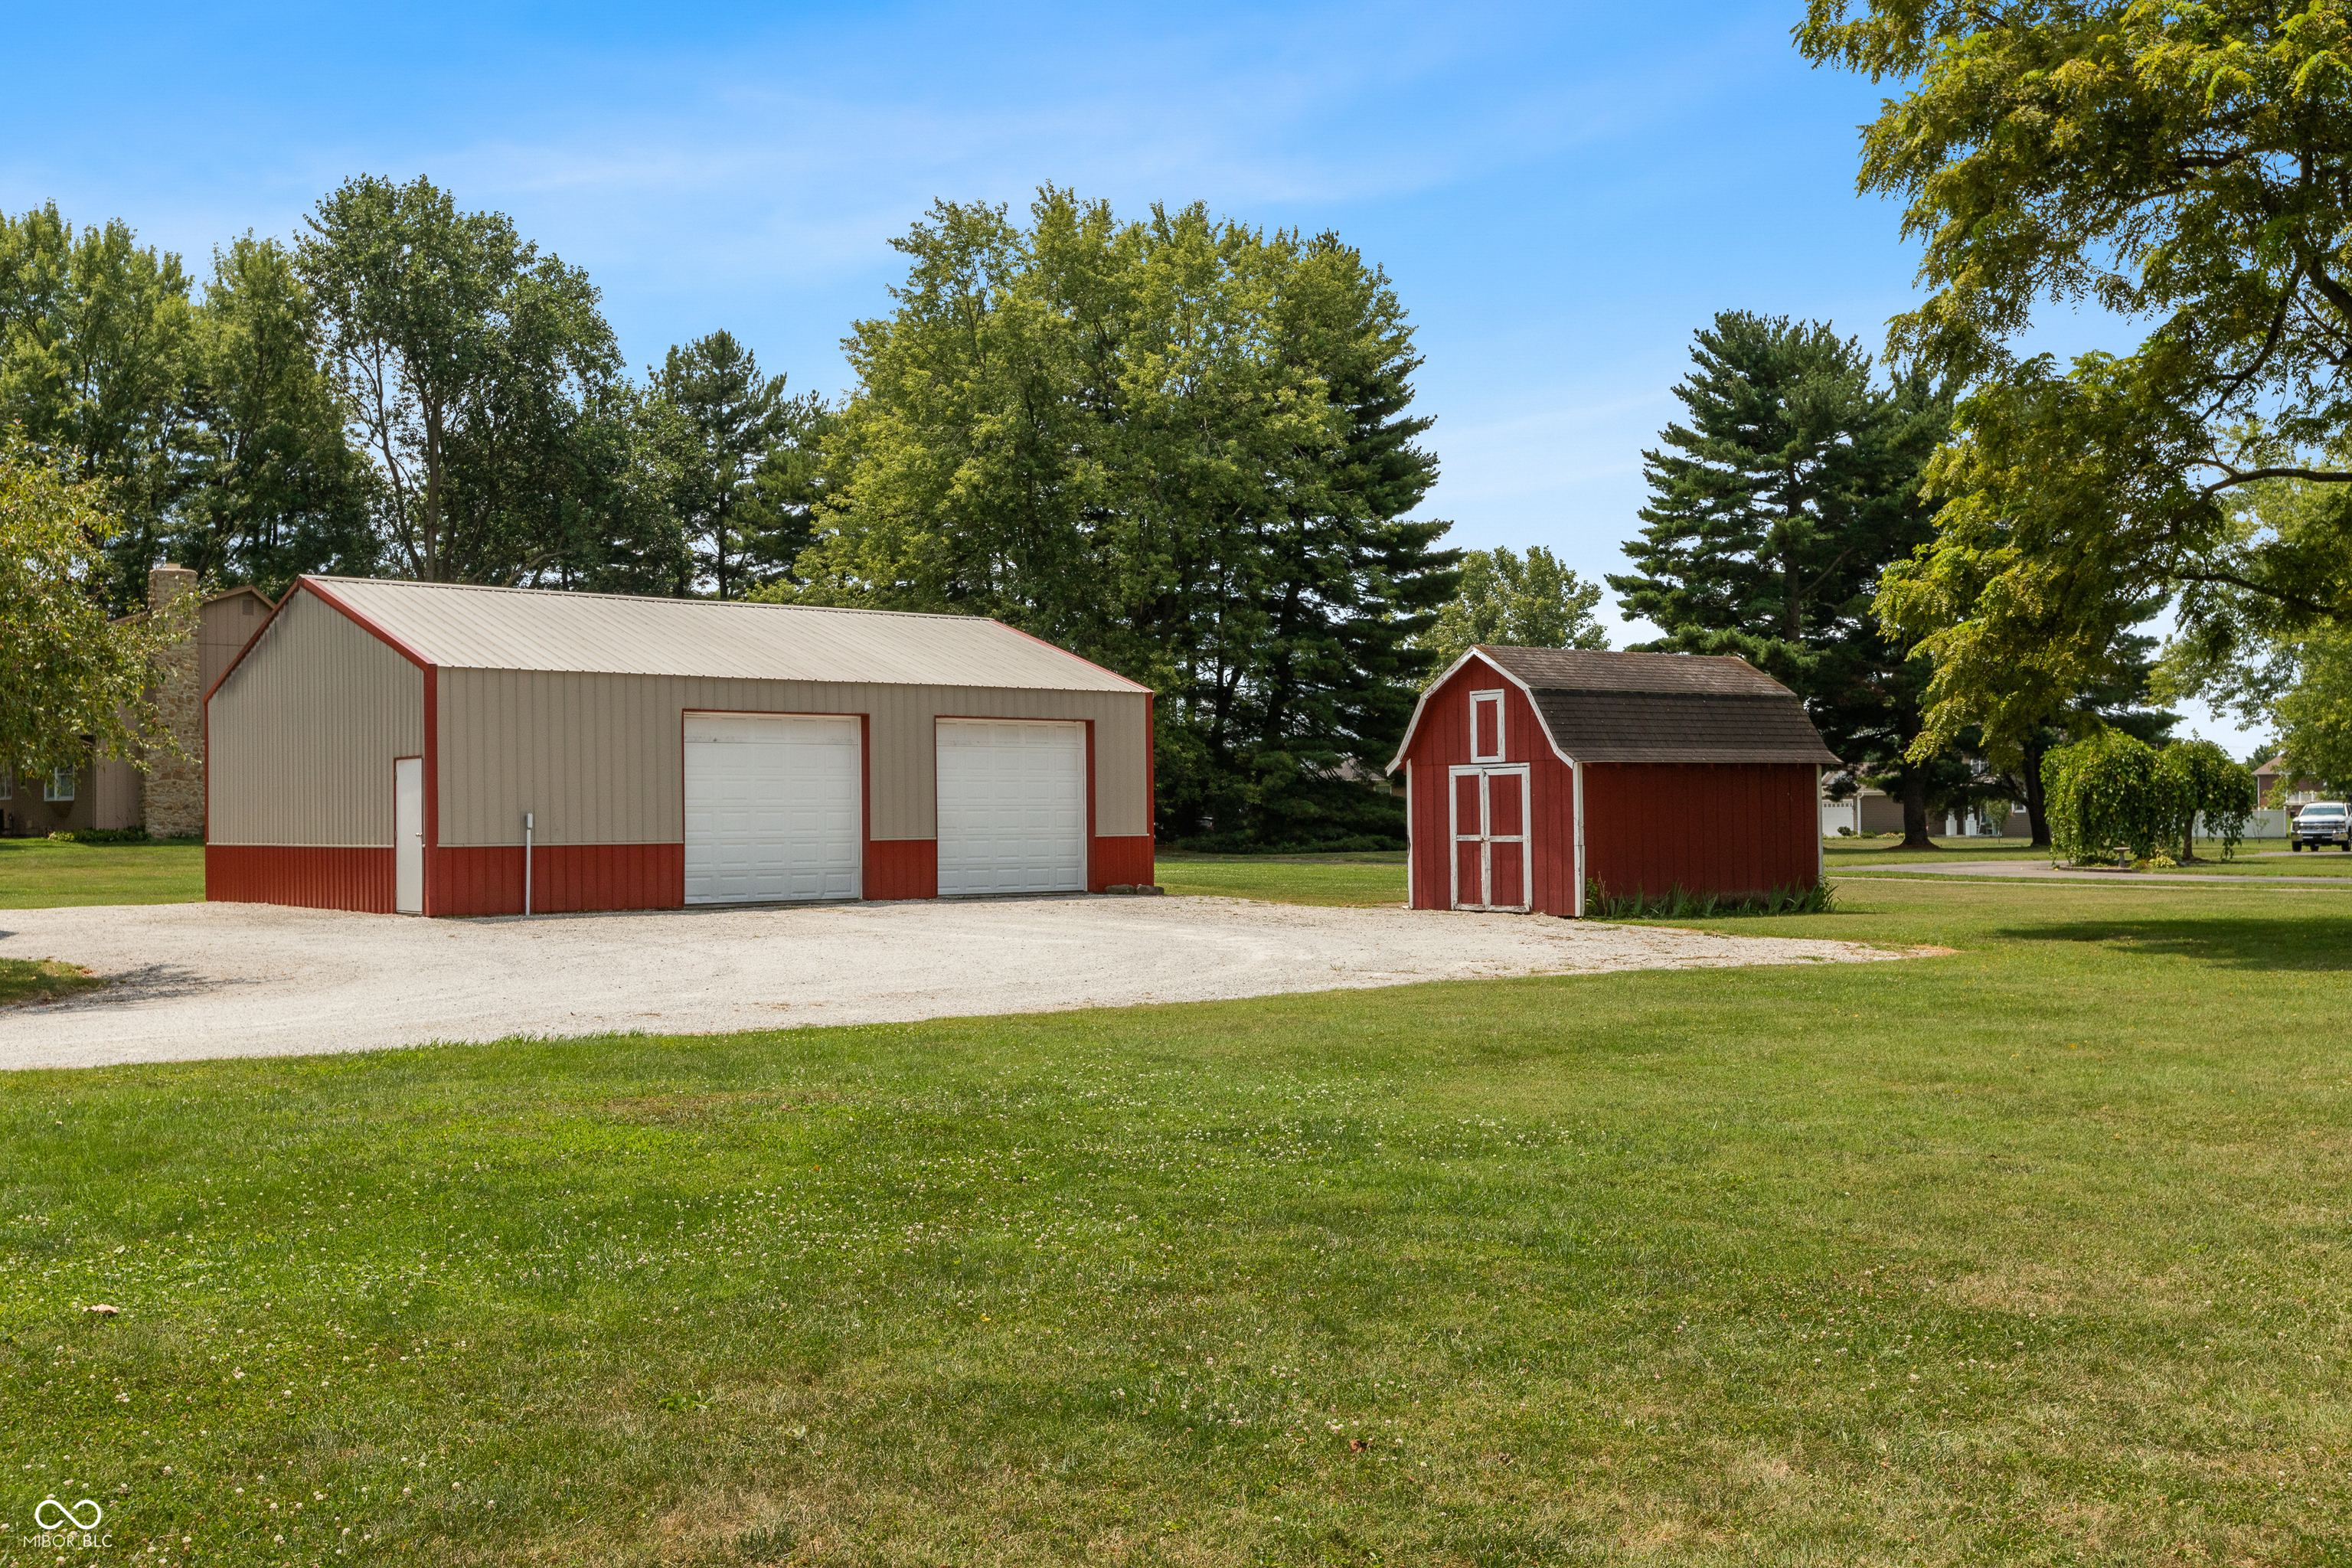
pixel 772 808
pixel 1012 806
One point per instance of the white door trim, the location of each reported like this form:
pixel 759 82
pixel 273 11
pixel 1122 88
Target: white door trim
pixel 1485 838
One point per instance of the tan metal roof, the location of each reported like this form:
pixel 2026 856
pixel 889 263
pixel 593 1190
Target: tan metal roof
pixel 462 627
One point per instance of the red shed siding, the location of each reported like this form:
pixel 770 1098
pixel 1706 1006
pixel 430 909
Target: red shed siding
pixel 308 877
pixel 487 880
pixel 1716 828
pixel 1443 741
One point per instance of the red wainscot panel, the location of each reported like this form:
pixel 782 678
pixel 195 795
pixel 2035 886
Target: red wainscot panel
pixel 902 869
pixel 307 877
pixel 565 877
pixel 1118 862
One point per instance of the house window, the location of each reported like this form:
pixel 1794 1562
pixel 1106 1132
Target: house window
pixel 60 785
pixel 7 783
pixel 1486 726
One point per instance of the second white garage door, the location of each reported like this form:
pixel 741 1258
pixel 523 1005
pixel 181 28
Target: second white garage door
pixel 771 808
pixel 1012 806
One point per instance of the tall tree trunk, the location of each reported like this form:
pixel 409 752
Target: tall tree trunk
pixel 2037 812
pixel 1914 809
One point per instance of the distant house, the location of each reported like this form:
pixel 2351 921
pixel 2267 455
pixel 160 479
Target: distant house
pixel 1869 812
pixel 2271 776
pixel 168 799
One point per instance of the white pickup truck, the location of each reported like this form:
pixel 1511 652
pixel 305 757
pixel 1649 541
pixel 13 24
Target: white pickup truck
pixel 2321 822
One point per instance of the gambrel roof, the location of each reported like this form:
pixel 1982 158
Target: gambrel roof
pixel 1650 707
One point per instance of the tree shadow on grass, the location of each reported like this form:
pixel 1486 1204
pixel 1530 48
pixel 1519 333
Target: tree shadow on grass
pixel 2277 943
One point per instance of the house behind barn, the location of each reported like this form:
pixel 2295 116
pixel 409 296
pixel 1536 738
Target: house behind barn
pixel 167 798
pixel 1534 773
pixel 380 744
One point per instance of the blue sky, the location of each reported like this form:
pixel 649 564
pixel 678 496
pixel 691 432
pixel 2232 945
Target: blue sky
pixel 1561 193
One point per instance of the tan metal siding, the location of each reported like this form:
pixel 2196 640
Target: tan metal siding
pixel 303 734
pixel 595 758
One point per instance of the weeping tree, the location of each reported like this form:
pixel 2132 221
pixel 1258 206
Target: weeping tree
pixel 2107 793
pixel 2201 783
pixel 2112 791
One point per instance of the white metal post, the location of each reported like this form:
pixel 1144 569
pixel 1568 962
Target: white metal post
pixel 526 865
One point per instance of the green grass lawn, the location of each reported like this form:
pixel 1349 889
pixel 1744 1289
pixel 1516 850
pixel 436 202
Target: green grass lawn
pixel 1843 854
pixel 1375 877
pixel 2034 1253
pixel 2319 863
pixel 41 980
pixel 36 873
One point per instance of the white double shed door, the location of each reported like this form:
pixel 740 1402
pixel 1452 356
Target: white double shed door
pixel 775 807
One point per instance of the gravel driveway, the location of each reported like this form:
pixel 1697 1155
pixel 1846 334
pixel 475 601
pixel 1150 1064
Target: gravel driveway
pixel 225 980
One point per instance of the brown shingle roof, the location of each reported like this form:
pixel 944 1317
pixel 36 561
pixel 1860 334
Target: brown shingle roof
pixel 1674 727
pixel 1661 706
pixel 1579 669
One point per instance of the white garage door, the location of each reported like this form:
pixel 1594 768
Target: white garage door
pixel 1012 806
pixel 771 808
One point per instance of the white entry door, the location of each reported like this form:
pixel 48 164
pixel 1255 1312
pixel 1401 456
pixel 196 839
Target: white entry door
pixel 408 836
pixel 774 808
pixel 1012 806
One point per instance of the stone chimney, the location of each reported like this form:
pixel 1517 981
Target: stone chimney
pixel 175 783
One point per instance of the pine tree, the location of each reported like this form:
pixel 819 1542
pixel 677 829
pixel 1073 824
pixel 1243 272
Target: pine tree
pixel 735 417
pixel 1795 483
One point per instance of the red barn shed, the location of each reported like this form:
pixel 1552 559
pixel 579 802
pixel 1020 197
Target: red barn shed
pixel 1531 773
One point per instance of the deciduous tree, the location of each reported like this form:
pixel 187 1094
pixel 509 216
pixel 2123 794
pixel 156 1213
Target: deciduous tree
pixel 96 334
pixel 1179 446
pixel 470 366
pixel 73 683
pixel 270 488
pixel 2186 167
pixel 1511 600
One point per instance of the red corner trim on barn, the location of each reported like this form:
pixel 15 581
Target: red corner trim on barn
pixel 1451 670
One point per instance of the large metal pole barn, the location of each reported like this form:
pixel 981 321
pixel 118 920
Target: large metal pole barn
pixel 377 746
